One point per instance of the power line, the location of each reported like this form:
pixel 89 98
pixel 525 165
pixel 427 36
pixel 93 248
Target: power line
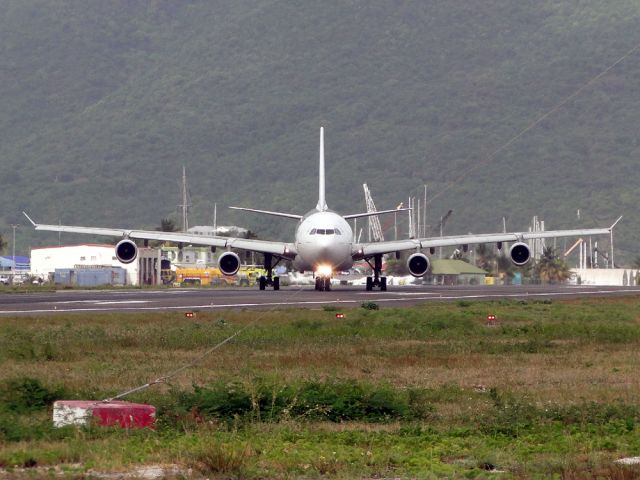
pixel 533 124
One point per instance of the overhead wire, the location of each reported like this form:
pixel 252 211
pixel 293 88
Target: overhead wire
pixel 201 357
pixel 533 124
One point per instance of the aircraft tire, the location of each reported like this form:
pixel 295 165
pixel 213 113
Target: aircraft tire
pixel 262 282
pixel 383 284
pixel 327 284
pixel 276 283
pixel 369 284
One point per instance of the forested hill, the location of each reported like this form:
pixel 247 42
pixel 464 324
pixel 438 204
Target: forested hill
pixel 102 102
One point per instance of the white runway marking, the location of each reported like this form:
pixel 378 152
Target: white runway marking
pixel 212 306
pixel 101 302
pixel 118 302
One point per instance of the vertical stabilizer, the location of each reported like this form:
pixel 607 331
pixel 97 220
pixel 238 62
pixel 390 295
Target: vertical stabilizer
pixel 322 204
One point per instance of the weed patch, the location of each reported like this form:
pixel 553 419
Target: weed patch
pixel 24 395
pixel 219 459
pixel 332 401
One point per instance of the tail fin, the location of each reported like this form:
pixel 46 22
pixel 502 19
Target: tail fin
pixel 322 204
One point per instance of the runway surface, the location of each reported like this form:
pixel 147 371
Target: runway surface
pixel 64 301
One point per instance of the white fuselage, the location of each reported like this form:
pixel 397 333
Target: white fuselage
pixel 323 239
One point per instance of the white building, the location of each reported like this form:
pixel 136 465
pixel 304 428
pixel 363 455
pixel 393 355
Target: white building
pixel 45 260
pixel 605 276
pixel 220 230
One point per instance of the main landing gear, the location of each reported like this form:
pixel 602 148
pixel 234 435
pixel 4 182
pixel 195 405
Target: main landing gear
pixel 377 280
pixel 269 279
pixel 323 284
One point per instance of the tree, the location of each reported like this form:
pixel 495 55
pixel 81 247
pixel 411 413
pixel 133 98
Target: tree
pixel 167 225
pixel 485 258
pixel 550 268
pixel 3 244
pixel 397 267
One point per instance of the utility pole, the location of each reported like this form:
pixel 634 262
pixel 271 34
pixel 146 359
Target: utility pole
pixel 418 218
pixel 410 219
pixel 215 218
pixel 395 220
pixel 424 213
pixel 13 255
pixel 441 225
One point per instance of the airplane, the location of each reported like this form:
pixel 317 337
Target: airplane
pixel 324 243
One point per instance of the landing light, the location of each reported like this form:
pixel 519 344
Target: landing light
pixel 339 315
pixel 324 270
pixel 189 314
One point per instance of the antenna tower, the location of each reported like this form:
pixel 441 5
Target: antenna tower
pixel 185 201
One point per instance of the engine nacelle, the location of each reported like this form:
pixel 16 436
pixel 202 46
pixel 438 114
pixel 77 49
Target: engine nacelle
pixel 418 264
pixel 520 254
pixel 229 263
pixel 126 251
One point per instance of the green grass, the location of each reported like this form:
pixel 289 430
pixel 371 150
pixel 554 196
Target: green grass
pixel 428 391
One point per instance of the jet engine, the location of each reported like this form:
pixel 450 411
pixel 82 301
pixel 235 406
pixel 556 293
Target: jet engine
pixel 229 263
pixel 126 251
pixel 520 254
pixel 418 264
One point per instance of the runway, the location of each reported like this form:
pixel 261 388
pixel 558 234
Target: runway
pixel 134 300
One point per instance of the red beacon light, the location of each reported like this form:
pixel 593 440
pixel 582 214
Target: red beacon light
pixel 339 315
pixel 491 319
pixel 189 314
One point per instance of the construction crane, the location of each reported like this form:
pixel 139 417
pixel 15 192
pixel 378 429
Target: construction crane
pixel 443 220
pixel 375 229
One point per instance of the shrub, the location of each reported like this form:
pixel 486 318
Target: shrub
pixel 23 395
pixel 335 401
pixel 370 306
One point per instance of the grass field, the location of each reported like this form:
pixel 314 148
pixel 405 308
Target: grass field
pixel 431 391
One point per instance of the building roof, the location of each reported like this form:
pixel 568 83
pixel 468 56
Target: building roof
pixel 454 267
pixel 102 245
pixel 21 263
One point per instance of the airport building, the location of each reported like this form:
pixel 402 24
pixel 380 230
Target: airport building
pixel 454 272
pixel 69 259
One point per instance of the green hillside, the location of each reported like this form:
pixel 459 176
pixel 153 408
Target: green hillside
pixel 101 103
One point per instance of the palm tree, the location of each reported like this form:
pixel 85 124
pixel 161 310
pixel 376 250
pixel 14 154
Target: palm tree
pixel 167 225
pixel 485 258
pixel 550 268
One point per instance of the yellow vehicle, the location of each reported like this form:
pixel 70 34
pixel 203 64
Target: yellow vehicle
pixel 249 275
pixel 197 276
pixel 246 276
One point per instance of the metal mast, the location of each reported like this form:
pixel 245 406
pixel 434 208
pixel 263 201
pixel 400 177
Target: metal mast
pixel 375 228
pixel 185 201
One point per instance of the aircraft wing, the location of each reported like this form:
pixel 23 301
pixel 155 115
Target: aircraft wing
pixel 369 249
pixel 276 248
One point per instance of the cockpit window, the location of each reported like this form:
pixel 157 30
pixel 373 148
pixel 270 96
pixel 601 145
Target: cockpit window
pixel 325 231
